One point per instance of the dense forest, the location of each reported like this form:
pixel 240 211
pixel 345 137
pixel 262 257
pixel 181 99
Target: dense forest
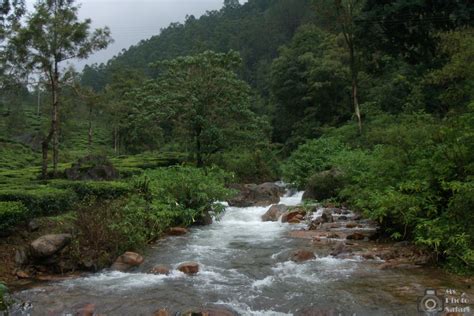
pixel 361 102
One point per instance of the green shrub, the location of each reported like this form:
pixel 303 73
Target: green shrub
pixel 99 189
pixel 324 185
pixel 312 157
pixel 11 214
pixel 189 192
pixel 3 300
pixel 256 166
pixel 42 200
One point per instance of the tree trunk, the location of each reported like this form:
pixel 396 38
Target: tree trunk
pixel 199 161
pixel 45 148
pixel 89 140
pixel 354 75
pixel 55 121
pixel 355 101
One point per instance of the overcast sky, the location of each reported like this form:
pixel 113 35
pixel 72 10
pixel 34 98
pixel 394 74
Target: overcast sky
pixel 133 20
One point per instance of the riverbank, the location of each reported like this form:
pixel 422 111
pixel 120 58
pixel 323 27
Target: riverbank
pixel 248 266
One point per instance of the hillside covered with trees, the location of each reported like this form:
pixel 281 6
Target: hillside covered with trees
pixel 364 103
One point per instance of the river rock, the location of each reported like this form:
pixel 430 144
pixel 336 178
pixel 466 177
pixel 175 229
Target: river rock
pixel 86 310
pixel 326 216
pixel 34 225
pixel 204 219
pixel 212 311
pixel 351 225
pixel 161 312
pixel 160 269
pixel 256 195
pixel 92 168
pixel 356 236
pixel 127 261
pixel 48 245
pixel 189 268
pixel 339 249
pixel 274 213
pixel 21 257
pixel 292 214
pixel 302 255
pixel 177 231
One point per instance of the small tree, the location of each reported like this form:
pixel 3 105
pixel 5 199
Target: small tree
pixel 53 34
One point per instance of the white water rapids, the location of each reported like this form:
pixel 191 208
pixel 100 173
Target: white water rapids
pixel 244 266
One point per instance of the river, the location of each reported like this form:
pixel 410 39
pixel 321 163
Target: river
pixel 244 266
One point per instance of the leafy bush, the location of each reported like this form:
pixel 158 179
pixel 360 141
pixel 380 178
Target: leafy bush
pixel 190 192
pixel 324 185
pixel 312 157
pixel 11 213
pixel 99 189
pixel 42 200
pixel 256 166
pixel 3 300
pixel 413 175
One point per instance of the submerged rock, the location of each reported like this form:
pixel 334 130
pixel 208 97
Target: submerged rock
pixel 256 195
pixel 127 261
pixel 48 245
pixel 210 311
pixel 160 269
pixel 177 231
pixel 274 213
pixel 302 255
pixel 189 268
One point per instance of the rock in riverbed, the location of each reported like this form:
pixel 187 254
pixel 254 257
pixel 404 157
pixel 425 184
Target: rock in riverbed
pixel 189 268
pixel 302 255
pixel 160 269
pixel 127 261
pixel 48 245
pixel 290 215
pixel 274 213
pixel 177 231
pixel 256 195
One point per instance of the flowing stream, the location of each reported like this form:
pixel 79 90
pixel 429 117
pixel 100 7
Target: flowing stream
pixel 245 266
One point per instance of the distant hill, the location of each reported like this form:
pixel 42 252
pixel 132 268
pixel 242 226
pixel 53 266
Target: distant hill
pixel 256 29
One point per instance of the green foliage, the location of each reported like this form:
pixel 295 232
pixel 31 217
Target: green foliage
pixel 250 166
pixel 41 200
pixel 11 214
pixel 186 193
pixel 309 85
pixel 98 189
pixel 410 172
pixel 312 157
pixel 324 185
pixel 3 299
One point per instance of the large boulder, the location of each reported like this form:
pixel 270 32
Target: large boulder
pixel 324 185
pixel 127 261
pixel 274 213
pixel 256 195
pixel 92 168
pixel 189 268
pixel 48 245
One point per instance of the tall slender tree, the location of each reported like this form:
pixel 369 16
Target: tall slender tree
pixel 51 35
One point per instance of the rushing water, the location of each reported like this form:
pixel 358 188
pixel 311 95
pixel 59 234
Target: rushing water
pixel 245 267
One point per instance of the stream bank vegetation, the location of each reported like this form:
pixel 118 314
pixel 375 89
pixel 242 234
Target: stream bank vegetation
pixel 372 107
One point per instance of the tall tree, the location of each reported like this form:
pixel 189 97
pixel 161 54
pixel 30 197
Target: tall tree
pixel 341 16
pixel 208 105
pixel 53 34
